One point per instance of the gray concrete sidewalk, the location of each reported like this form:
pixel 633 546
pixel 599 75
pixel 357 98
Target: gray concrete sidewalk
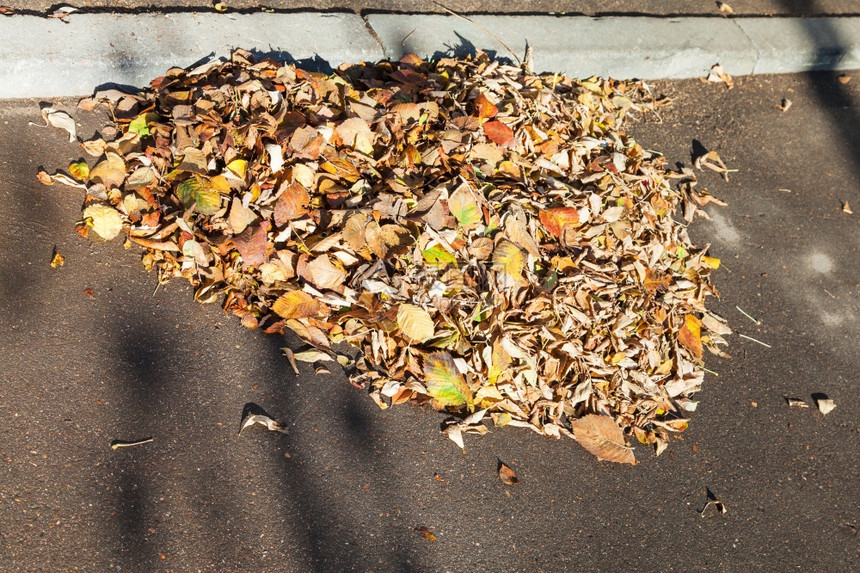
pixel 94 49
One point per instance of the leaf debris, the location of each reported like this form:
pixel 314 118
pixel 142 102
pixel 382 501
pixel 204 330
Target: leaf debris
pixel 507 475
pixel 824 403
pixel 492 240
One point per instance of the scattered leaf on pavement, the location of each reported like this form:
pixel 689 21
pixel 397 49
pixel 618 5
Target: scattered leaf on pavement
pixel 60 119
pixel 717 75
pixel 507 475
pixel 57 260
pixel 796 402
pixel 264 420
pixel 426 533
pixel 824 403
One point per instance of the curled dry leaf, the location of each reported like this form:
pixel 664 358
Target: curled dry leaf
pixel 603 437
pixel 824 403
pixel 507 475
pixel 426 533
pixel 57 260
pixel 717 75
pixel 263 420
pixel 59 119
pixel 796 403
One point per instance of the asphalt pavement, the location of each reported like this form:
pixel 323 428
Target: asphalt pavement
pixel 93 352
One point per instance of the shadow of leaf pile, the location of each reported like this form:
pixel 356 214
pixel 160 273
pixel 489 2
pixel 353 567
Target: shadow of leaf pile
pixel 490 239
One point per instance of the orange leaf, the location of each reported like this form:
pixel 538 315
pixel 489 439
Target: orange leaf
pixel 655 283
pixel 558 220
pixel 296 304
pixel 484 108
pixel 690 335
pixel 499 133
pixel 604 438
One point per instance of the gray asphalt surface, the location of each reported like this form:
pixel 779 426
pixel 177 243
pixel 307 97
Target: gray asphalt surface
pixel 588 7
pixel 131 361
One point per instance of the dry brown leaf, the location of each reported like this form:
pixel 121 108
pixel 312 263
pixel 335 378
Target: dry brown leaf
pixel 603 437
pixel 252 244
pixel 325 275
pixel 507 475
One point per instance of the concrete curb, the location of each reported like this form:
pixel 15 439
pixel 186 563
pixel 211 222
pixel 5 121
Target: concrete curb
pixel 42 57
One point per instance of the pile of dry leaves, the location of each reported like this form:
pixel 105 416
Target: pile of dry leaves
pixel 489 238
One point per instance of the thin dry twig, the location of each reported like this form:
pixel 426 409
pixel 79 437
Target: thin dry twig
pixel 472 22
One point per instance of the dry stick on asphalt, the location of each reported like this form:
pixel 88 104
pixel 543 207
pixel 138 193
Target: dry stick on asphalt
pixel 116 444
pixel 472 22
pixel 758 322
pixel 754 340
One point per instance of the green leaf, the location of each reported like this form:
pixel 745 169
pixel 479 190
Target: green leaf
pixel 438 256
pixel 444 382
pixel 464 208
pixel 81 171
pixel 195 190
pixel 140 124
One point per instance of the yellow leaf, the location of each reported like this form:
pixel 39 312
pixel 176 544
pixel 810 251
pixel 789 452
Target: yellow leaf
pixel 415 322
pixel 239 167
pixel 297 304
pixel 690 335
pixel 508 259
pixel 712 262
pixel 80 170
pixel 444 382
pixel 104 220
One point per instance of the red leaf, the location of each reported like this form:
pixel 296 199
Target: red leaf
pixel 499 133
